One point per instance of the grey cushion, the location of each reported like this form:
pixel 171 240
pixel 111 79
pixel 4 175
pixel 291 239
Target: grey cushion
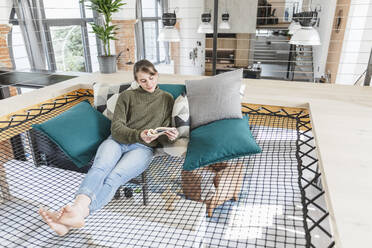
pixel 214 98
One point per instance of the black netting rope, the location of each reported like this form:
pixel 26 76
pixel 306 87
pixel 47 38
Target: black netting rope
pixel 280 204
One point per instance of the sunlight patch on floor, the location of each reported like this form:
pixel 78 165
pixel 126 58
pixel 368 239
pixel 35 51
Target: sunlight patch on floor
pixel 247 220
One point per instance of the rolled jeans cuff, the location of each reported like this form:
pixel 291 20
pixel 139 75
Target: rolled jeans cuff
pixel 89 193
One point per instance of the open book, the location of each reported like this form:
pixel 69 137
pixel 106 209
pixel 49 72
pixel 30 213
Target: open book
pixel 159 131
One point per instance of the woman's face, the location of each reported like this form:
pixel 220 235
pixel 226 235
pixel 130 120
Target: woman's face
pixel 147 81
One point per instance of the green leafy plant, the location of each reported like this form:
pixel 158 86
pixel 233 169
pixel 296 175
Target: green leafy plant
pixel 106 31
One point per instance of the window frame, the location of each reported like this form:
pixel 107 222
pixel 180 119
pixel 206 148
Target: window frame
pixel 46 38
pixel 156 20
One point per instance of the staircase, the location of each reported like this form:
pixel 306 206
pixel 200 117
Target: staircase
pixel 274 54
pixel 302 66
pixel 263 51
pixel 271 50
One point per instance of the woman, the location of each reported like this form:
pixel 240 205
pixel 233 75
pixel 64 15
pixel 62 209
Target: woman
pixel 125 154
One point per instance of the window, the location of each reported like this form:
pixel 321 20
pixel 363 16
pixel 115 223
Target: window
pixel 20 57
pixel 18 51
pixel 68 48
pixel 62 9
pixel 151 20
pixel 63 41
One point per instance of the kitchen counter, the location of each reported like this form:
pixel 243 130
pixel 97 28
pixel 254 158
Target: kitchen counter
pixel 30 79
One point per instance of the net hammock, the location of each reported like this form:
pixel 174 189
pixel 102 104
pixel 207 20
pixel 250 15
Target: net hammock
pixel 280 204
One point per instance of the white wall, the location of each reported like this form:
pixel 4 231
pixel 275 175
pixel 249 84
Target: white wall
pixel 5 8
pixel 127 12
pixel 243 14
pixel 189 13
pixel 326 16
pixel 357 42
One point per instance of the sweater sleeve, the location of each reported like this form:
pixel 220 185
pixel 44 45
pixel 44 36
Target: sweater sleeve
pixel 119 130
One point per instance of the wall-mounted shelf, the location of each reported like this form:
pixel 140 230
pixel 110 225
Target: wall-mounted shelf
pixel 221 49
pixel 282 25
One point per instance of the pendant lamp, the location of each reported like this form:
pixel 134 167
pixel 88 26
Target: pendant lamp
pixel 307 35
pixel 205 26
pixel 225 21
pixel 169 33
pixel 293 27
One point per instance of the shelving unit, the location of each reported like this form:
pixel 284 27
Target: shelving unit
pixel 232 51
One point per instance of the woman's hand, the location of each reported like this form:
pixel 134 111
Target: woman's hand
pixel 148 138
pixel 172 134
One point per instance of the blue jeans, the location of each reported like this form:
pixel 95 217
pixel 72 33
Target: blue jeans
pixel 114 165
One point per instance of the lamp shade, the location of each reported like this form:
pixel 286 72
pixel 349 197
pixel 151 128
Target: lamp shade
pixel 293 27
pixel 205 27
pixel 169 34
pixel 306 36
pixel 225 21
pixel 224 25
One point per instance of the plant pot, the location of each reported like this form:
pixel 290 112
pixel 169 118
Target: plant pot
pixel 107 64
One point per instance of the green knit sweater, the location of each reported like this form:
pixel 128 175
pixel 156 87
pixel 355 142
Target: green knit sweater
pixel 137 110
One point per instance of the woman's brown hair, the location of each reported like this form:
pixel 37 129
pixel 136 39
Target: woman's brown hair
pixel 144 66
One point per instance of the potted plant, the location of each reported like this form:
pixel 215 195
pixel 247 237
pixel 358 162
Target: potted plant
pixel 106 31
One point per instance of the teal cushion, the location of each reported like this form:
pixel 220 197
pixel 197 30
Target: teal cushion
pixel 174 89
pixel 218 141
pixel 78 132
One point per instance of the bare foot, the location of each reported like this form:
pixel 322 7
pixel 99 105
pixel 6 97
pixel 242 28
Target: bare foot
pixel 51 218
pixel 73 216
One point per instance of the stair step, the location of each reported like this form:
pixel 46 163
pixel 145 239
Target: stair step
pixel 304 53
pixel 304 66
pixel 276 60
pixel 264 50
pixel 261 53
pixel 307 56
pixel 307 61
pixel 302 79
pixel 306 73
pixel 267 59
pixel 304 60
pixel 264 55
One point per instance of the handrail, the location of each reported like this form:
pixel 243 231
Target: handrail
pixel 357 82
pixel 367 79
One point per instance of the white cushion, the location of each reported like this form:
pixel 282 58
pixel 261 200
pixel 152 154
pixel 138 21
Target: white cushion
pixel 106 96
pixel 181 116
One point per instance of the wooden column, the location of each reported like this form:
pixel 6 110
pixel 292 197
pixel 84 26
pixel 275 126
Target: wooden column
pixel 175 52
pixel 5 60
pixel 6 151
pixel 337 38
